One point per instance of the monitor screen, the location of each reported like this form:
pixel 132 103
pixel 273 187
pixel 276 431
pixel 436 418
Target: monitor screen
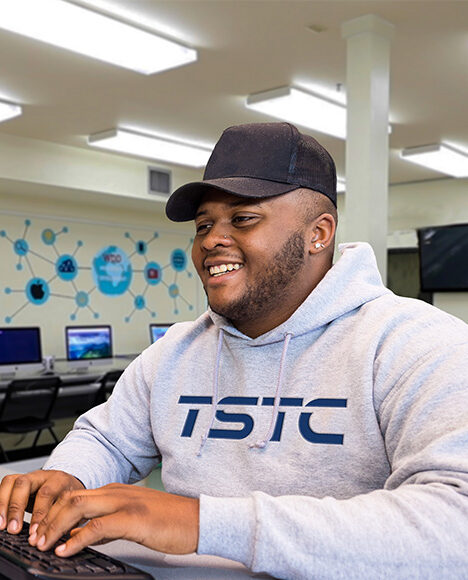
pixel 20 345
pixel 443 254
pixel 158 330
pixel 88 343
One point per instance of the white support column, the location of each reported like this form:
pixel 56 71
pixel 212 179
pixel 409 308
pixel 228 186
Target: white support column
pixel 367 86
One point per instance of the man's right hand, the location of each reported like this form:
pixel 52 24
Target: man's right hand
pixel 16 491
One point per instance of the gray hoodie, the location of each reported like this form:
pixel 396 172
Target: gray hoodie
pixel 333 446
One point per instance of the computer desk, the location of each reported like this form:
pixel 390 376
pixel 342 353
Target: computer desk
pixel 160 566
pixel 78 388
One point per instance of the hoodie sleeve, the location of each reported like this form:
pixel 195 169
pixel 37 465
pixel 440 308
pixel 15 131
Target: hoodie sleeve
pixel 110 443
pixel 415 527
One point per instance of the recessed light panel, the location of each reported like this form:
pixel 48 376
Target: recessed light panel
pixel 8 111
pixel 151 147
pixel 440 157
pixel 81 30
pixel 301 108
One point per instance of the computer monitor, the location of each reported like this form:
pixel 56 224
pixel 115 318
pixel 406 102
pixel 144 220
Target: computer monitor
pixel 20 350
pixel 158 330
pixel 88 346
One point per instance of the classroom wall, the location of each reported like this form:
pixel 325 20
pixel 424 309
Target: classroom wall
pixel 70 255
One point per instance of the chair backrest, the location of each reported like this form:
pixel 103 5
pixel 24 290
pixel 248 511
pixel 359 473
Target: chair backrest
pixel 33 397
pixel 107 384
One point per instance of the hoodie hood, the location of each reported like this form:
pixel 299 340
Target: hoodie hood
pixel 353 281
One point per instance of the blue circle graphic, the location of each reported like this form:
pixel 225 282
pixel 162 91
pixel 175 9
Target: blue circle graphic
pixel 179 260
pixel 153 273
pixel 112 271
pixel 141 247
pixel 66 267
pixel 21 247
pixel 48 237
pixel 37 291
pixel 81 299
pixel 173 291
pixel 139 302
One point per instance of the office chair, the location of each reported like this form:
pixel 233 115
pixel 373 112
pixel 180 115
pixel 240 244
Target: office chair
pixel 27 407
pixel 106 386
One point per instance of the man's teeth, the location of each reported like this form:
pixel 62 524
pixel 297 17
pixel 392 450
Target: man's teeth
pixel 223 268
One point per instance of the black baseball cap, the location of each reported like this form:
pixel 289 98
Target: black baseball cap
pixel 258 160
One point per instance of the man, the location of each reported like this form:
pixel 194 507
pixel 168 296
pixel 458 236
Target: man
pixel 310 424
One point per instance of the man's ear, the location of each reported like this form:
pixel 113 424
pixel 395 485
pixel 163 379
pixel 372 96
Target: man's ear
pixel 321 233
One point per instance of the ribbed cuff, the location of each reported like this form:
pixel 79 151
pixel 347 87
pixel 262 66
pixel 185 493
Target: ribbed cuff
pixel 227 528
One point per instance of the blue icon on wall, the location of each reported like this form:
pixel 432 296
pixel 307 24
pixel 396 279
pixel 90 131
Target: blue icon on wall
pixel 66 267
pixel 179 260
pixel 153 273
pixel 112 271
pixel 21 247
pixel 37 291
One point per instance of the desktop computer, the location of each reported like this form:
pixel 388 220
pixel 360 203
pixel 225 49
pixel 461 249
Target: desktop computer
pixel 88 346
pixel 20 350
pixel 158 330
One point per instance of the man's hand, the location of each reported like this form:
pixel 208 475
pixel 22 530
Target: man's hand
pixel 16 491
pixel 161 521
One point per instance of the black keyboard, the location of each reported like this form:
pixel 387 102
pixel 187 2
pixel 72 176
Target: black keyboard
pixel 20 561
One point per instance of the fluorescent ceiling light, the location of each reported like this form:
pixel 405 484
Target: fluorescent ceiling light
pixel 440 157
pixel 9 110
pixel 81 30
pixel 340 185
pixel 153 147
pixel 303 108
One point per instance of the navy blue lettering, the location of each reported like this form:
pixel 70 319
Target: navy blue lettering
pixel 189 423
pixel 324 438
pixel 224 417
pixel 284 402
pixel 247 422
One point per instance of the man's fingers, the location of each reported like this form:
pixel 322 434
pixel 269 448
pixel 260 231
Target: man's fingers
pixel 19 491
pixel 5 492
pixel 97 531
pixel 71 508
pixel 55 483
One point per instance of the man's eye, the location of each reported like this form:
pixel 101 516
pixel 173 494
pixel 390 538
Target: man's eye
pixel 242 219
pixel 202 228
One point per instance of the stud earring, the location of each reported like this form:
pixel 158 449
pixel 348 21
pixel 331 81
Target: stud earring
pixel 319 245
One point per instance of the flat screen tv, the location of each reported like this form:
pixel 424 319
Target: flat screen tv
pixel 443 258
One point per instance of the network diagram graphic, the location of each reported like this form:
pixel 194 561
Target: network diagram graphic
pixel 114 273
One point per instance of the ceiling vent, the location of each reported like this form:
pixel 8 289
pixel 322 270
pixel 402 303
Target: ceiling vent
pixel 159 181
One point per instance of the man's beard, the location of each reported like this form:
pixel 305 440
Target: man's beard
pixel 263 294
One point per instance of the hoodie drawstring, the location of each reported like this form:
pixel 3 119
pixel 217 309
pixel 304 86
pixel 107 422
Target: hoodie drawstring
pixel 262 443
pixel 214 401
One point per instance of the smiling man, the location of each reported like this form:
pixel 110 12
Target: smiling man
pixel 253 255
pixel 311 424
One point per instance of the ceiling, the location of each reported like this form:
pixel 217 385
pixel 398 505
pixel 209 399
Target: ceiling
pixel 245 47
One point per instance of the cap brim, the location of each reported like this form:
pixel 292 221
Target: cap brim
pixel 183 204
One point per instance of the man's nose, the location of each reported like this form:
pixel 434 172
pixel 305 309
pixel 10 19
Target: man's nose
pixel 216 236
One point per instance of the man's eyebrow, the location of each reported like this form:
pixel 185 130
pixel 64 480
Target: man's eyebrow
pixel 235 203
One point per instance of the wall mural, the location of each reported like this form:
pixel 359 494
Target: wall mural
pixel 57 263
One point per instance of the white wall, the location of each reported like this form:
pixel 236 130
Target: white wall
pixel 54 187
